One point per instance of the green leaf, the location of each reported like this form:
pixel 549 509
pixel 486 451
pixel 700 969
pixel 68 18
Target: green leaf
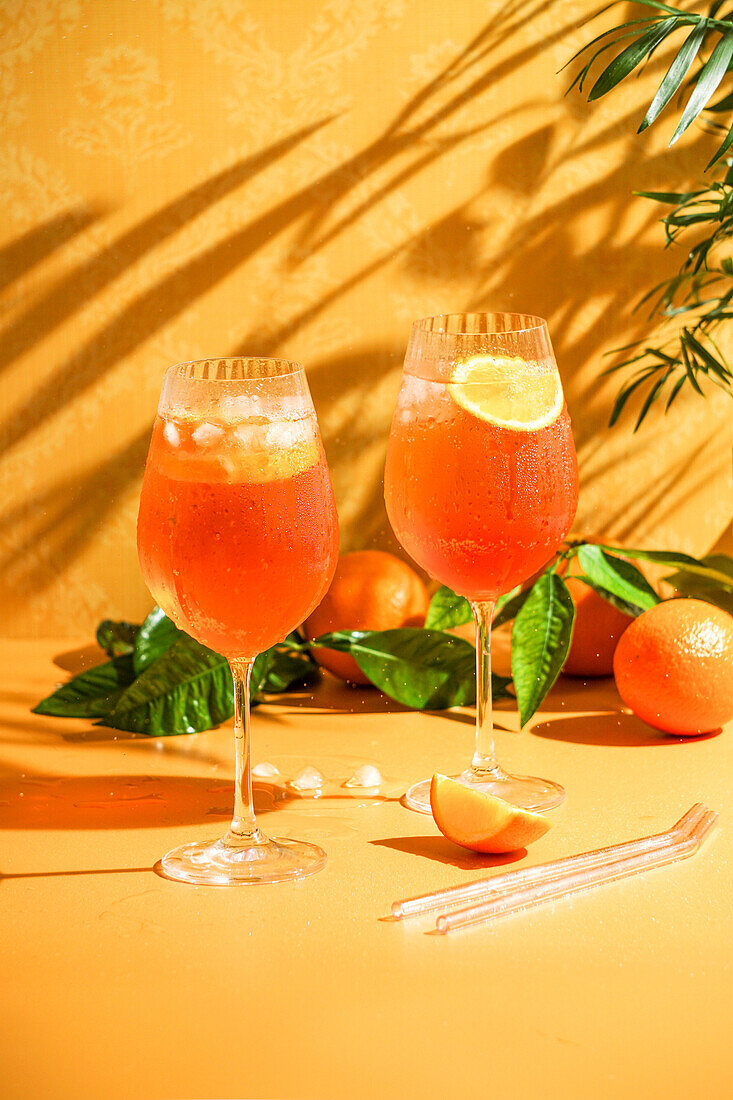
pixel 651 397
pixel 623 605
pixel 727 142
pixel 702 353
pixel 425 669
pixel 722 563
pixel 712 73
pixel 610 43
pixel 117 638
pixel 676 73
pixel 507 607
pixel 669 198
pixel 541 638
pixel 607 34
pixel 625 393
pixel 156 635
pixel 629 58
pixel 690 367
pixel 702 588
pixel 91 694
pixel 447 609
pixel 186 690
pixel 617 576
pixel 675 390
pixel 280 668
pixel 677 561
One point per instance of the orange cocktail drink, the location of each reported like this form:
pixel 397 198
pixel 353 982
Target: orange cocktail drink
pixel 481 486
pixel 479 506
pixel 238 541
pixel 237 530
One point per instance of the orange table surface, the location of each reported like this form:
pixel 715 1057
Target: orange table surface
pixel 118 983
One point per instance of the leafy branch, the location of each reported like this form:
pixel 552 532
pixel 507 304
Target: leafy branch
pixel 701 293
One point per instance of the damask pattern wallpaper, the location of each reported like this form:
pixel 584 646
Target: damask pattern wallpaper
pixel 183 180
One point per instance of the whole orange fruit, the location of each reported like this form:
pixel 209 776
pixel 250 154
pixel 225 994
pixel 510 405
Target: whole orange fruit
pixel 371 590
pixel 674 667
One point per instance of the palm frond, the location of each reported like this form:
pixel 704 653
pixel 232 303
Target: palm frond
pixel 648 35
pixel 700 293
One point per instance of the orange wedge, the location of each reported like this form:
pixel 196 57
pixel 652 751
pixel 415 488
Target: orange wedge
pixel 481 821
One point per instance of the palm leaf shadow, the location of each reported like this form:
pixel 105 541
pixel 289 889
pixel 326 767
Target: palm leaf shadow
pixel 21 255
pixel 60 520
pixel 95 274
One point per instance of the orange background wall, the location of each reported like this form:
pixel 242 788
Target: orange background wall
pixel 304 178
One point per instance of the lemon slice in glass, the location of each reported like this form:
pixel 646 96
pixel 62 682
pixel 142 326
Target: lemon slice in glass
pixel 508 392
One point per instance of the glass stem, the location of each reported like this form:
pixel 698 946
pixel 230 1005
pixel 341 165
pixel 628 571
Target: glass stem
pixel 484 758
pixel 244 825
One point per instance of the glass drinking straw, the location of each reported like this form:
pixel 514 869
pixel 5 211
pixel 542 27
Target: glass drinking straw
pixel 483 888
pixel 238 540
pixel 481 487
pixel 575 881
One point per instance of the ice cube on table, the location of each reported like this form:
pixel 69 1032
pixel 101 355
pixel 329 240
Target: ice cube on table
pixel 368 775
pixel 265 770
pixel 207 434
pixel 309 779
pixel 171 434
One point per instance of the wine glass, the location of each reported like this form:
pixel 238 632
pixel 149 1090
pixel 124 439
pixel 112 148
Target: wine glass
pixel 481 486
pixel 238 541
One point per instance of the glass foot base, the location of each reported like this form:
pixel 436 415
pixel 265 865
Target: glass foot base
pixel 222 863
pixel 525 791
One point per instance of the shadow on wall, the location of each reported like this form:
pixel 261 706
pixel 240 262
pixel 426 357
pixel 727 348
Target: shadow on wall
pixel 57 522
pixel 540 267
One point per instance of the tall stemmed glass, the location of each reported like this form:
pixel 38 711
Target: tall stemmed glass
pixel 238 541
pixel 481 486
